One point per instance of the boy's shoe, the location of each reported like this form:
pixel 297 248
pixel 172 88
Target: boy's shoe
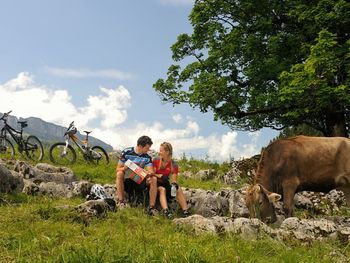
pixel 185 213
pixel 122 204
pixel 168 214
pixel 152 211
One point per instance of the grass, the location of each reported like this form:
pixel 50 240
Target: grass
pixel 33 229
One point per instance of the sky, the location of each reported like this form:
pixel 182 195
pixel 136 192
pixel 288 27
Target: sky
pixel 95 61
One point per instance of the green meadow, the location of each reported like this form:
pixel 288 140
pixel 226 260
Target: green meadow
pixel 36 229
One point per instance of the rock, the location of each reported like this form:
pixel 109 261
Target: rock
pixel 223 224
pixel 199 224
pixel 81 188
pixel 307 230
pixel 18 182
pixel 91 208
pixel 232 177
pixel 320 203
pixel 205 174
pixel 54 189
pixel 242 168
pixel 251 229
pixel 24 169
pixel 237 206
pixel 44 172
pixel 49 173
pixel 206 203
pixel 10 182
pixel 30 188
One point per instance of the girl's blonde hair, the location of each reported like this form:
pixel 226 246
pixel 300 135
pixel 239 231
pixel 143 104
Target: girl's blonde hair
pixel 167 146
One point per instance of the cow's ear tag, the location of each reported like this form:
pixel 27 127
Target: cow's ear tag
pixel 273 197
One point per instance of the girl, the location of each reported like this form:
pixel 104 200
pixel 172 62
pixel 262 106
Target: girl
pixel 166 171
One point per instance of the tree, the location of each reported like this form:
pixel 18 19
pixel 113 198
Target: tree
pixel 267 63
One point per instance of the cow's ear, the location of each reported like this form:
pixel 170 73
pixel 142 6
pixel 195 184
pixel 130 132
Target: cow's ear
pixel 258 188
pixel 273 197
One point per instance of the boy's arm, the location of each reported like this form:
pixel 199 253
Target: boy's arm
pixel 121 167
pixel 149 169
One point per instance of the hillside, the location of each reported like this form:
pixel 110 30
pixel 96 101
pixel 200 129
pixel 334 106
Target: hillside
pixel 49 132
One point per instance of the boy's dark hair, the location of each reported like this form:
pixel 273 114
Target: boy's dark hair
pixel 144 140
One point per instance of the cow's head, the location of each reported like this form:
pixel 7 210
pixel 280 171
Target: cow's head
pixel 260 203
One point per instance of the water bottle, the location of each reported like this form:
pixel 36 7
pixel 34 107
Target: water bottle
pixel 173 190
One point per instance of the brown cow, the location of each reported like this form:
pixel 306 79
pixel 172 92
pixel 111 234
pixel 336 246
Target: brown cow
pixel 297 164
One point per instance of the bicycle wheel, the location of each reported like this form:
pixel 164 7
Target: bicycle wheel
pixel 6 147
pixel 34 149
pixel 99 155
pixel 62 155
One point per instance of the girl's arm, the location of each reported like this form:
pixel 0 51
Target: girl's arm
pixel 173 177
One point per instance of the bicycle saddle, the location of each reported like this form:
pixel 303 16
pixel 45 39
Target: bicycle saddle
pixel 87 132
pixel 23 123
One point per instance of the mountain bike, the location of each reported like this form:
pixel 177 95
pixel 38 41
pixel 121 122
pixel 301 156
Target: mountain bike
pixel 63 153
pixel 32 146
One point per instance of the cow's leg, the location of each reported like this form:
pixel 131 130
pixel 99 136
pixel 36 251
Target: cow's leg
pixel 289 188
pixel 346 190
pixel 343 182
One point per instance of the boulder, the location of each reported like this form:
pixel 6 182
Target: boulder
pixel 206 203
pixel 30 188
pixel 44 172
pixel 9 182
pixel 320 203
pixel 205 174
pixel 48 173
pixel 308 230
pixel 94 208
pixel 53 189
pixel 196 223
pixel 81 188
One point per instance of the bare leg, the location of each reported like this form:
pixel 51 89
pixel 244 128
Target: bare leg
pixel 162 197
pixel 152 182
pixel 120 186
pixel 181 199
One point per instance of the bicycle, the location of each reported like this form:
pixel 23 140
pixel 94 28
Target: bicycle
pixel 63 153
pixel 32 146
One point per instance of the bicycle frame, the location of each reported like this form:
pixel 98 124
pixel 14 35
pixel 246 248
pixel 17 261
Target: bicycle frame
pixel 82 145
pixel 13 132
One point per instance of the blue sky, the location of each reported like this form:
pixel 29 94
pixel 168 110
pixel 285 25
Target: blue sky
pixel 95 62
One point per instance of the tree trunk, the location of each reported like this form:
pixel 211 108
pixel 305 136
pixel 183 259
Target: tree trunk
pixel 336 125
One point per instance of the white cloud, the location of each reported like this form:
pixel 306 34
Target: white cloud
pixel 25 99
pixel 104 113
pixel 177 118
pixel 89 73
pixel 185 140
pixel 177 2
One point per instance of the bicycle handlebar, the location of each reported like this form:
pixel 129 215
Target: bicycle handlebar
pixel 5 115
pixel 70 125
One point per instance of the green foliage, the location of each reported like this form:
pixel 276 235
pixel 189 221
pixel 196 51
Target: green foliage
pixel 194 165
pixel 265 63
pixel 131 236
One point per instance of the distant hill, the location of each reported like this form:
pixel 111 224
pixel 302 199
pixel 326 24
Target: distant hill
pixel 48 132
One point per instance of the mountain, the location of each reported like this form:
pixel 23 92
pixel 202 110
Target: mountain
pixel 50 133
